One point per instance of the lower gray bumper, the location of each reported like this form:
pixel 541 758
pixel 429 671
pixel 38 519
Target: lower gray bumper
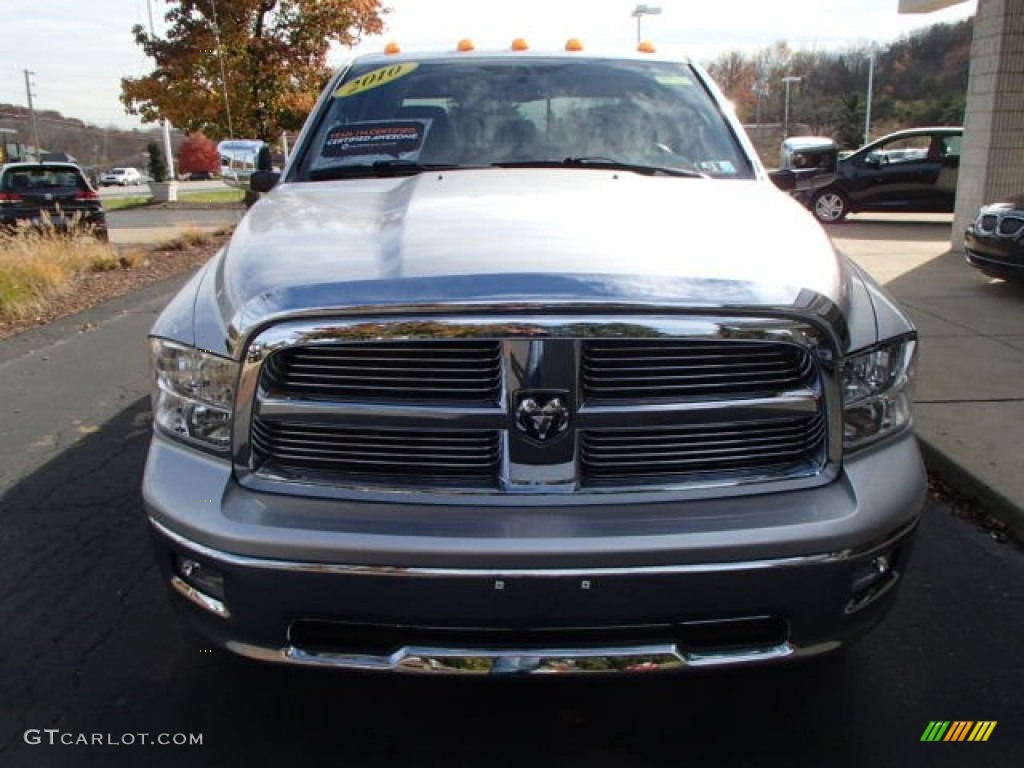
pixel 474 621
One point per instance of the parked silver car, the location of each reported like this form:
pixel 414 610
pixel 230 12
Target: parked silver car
pixel 121 177
pixel 483 384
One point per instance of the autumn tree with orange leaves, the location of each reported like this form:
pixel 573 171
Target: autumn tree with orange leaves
pixel 274 57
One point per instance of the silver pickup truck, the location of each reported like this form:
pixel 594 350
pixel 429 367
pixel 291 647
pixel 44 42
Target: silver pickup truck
pixel 524 365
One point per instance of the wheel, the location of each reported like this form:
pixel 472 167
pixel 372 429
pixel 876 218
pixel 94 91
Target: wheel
pixel 830 206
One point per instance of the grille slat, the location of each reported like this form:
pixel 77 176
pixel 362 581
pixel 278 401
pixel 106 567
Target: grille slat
pixel 722 435
pixel 400 456
pixel 682 449
pixel 1010 225
pixel 623 370
pixel 428 371
pixel 634 454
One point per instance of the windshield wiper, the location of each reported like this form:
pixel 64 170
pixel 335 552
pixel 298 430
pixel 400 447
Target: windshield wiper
pixel 379 169
pixel 605 164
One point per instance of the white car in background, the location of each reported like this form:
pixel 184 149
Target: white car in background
pixel 121 177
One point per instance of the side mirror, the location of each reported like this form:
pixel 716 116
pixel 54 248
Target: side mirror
pixel 263 180
pixel 784 179
pixel 263 162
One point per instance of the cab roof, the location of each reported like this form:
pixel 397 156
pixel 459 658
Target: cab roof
pixel 506 53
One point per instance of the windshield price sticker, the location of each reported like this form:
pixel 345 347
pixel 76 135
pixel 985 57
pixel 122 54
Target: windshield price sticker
pixel 384 138
pixel 375 79
pixel 673 79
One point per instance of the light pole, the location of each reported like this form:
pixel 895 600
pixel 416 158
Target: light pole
pixel 223 77
pixel 639 12
pixel 871 82
pixel 32 113
pixel 760 93
pixel 163 122
pixel 785 121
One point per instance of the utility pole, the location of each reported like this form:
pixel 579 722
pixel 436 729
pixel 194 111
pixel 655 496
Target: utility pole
pixel 32 114
pixel 871 83
pixel 167 128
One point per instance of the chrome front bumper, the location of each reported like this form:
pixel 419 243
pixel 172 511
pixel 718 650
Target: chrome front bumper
pixel 772 582
pixel 535 661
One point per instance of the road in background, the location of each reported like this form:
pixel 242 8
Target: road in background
pixel 154 224
pixel 142 190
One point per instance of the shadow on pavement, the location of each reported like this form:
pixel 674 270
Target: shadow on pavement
pixel 91 645
pixel 876 229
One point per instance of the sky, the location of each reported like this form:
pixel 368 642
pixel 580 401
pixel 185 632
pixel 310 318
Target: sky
pixel 80 49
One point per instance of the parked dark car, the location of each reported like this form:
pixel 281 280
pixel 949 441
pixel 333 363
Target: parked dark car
pixel 994 243
pixel 913 171
pixel 49 195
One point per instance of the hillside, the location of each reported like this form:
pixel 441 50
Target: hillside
pixel 920 79
pixel 91 145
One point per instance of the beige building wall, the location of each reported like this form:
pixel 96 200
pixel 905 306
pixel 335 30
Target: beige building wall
pixel 992 160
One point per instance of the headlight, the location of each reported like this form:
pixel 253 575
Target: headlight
pixel 193 393
pixel 878 391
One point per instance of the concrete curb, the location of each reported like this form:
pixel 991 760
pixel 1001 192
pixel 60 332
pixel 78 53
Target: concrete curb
pixel 970 486
pixel 181 206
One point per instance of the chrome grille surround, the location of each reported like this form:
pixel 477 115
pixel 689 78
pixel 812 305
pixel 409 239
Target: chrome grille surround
pixel 543 352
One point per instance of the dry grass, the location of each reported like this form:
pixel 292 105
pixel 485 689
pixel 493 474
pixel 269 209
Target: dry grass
pixel 36 269
pixel 188 238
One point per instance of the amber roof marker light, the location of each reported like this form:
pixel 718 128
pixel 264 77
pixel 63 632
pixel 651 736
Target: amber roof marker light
pixel 392 48
pixel 520 44
pixel 465 45
pixel 573 44
pixel 646 47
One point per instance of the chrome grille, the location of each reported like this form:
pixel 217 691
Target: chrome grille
pixel 637 370
pixel 770 446
pixel 413 456
pixel 1010 225
pixel 687 401
pixel 432 371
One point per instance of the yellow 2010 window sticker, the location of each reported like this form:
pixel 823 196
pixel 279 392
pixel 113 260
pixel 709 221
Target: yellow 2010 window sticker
pixel 375 79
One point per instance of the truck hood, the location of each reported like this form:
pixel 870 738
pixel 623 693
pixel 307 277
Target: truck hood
pixel 496 237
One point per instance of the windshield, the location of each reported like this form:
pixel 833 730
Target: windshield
pixel 41 178
pixel 477 112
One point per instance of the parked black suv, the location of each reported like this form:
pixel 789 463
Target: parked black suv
pixel 49 196
pixel 913 171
